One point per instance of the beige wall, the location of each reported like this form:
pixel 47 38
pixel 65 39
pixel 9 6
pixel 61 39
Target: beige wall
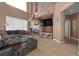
pixel 44 8
pixel 61 6
pixel 7 10
pixel 58 20
pixel 2 22
pixel 78 25
pixel 78 33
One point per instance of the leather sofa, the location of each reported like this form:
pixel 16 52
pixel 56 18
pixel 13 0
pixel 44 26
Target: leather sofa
pixel 21 44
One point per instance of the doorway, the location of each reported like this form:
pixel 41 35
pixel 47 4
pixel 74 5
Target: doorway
pixel 71 24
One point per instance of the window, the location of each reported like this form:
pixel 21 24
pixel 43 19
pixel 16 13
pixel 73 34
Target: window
pixel 13 23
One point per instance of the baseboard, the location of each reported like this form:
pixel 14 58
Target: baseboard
pixel 58 41
pixel 73 38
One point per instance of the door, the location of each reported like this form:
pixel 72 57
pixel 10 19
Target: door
pixel 67 28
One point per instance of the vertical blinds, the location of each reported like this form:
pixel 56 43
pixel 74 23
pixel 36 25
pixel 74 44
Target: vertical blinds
pixel 13 23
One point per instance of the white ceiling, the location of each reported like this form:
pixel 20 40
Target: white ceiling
pixel 72 9
pixel 20 4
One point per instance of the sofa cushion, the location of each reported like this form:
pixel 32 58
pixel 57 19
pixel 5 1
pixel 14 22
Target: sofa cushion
pixel 0 37
pixel 2 43
pixel 2 33
pixel 11 39
pixel 7 52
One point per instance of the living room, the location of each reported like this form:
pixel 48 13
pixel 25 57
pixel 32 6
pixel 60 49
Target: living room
pixel 38 32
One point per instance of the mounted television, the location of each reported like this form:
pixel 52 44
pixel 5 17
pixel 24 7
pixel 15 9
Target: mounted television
pixel 46 22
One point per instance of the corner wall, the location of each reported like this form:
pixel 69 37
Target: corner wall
pixel 58 20
pixel 7 10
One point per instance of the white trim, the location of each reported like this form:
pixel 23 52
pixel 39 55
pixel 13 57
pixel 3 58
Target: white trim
pixel 71 38
pixel 58 41
pixel 78 53
pixel 74 38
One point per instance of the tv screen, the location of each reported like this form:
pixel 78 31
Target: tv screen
pixel 46 22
